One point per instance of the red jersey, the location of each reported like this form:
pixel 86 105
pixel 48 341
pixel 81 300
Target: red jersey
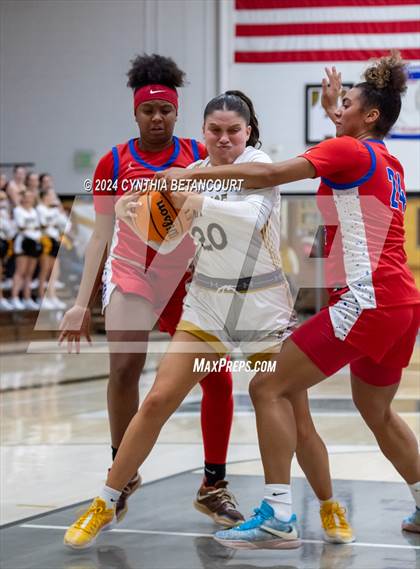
pixel 362 199
pixel 116 173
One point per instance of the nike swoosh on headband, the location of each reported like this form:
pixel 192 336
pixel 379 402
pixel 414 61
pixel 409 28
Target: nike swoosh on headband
pixel 154 92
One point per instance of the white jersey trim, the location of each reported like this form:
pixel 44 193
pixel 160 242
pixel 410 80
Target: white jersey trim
pixel 361 294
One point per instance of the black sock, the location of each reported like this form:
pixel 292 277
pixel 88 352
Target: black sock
pixel 114 452
pixel 214 472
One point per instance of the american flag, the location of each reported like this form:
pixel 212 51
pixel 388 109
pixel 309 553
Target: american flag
pixel 279 31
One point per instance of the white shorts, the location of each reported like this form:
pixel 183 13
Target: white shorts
pixel 253 321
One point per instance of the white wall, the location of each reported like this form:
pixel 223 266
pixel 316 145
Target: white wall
pixel 63 82
pixel 278 91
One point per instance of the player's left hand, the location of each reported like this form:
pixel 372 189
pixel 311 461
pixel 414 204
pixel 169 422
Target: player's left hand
pixel 331 89
pixel 126 206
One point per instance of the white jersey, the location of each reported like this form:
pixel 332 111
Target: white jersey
pixel 7 225
pixel 238 294
pixel 27 221
pixel 238 232
pixel 52 220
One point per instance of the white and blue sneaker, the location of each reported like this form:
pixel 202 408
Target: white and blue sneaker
pixel 262 531
pixel 412 523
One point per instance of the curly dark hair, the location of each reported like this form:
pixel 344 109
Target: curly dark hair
pixel 385 82
pixel 151 69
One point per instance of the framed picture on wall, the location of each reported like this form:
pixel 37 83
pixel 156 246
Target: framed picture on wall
pixel 407 126
pixel 318 126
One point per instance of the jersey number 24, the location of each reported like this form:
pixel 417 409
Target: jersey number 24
pixel 398 197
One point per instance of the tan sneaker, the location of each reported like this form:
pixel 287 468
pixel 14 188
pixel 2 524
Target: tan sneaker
pixel 336 527
pixel 122 506
pixel 219 504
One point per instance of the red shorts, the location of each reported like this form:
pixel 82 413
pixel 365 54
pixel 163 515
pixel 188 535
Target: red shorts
pixel 399 325
pixel 163 288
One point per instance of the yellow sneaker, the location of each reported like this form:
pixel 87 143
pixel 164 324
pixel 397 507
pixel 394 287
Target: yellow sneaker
pixel 336 527
pixel 86 529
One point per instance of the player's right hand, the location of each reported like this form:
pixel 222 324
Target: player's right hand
pixel 173 174
pixel 75 325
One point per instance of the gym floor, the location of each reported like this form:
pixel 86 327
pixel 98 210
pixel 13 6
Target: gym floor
pixel 55 453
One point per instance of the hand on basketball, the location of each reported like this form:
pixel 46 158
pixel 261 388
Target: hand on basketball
pixel 126 209
pixel 74 325
pixel 184 198
pixel 331 89
pixel 126 206
pixel 187 200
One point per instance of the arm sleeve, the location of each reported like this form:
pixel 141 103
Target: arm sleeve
pixel 103 201
pixel 254 207
pixel 341 160
pixel 194 165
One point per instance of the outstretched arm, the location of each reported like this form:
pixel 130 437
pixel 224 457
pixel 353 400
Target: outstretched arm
pixel 255 175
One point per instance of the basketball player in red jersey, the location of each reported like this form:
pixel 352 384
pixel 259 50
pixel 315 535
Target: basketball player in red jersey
pixel 140 286
pixel 373 315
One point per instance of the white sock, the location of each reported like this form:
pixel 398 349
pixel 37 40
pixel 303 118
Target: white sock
pixel 415 491
pixel 110 496
pixel 279 496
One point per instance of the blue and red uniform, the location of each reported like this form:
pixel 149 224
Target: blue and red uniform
pixel 135 268
pixel 373 314
pixel 132 266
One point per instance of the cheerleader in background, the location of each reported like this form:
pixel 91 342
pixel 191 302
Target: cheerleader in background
pixel 7 232
pixel 16 185
pixel 32 183
pixel 27 248
pixel 45 181
pixel 53 221
pixel 3 182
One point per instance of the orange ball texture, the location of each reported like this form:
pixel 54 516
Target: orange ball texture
pixel 157 218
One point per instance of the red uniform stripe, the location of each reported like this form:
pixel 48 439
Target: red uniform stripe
pixel 285 4
pixel 318 55
pixel 251 30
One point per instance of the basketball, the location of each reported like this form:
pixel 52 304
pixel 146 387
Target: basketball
pixel 158 218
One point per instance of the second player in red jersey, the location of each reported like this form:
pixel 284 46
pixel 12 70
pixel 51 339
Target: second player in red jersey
pixel 132 266
pixel 140 286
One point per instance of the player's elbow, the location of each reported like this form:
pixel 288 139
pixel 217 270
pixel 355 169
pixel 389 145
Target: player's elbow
pixel 263 176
